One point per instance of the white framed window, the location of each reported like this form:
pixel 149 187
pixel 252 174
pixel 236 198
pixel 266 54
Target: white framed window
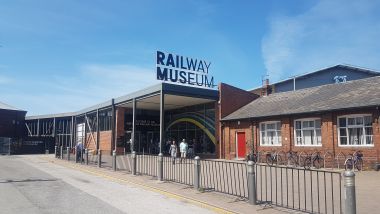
pixel 270 133
pixel 80 132
pixel 307 132
pixel 355 130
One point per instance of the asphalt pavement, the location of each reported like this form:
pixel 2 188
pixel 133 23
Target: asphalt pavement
pixel 33 185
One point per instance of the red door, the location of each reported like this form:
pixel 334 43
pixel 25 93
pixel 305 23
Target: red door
pixel 241 144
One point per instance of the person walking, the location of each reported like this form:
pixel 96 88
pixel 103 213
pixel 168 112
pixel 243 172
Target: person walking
pixel 79 152
pixel 173 151
pixel 183 149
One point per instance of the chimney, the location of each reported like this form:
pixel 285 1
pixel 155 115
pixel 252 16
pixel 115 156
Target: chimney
pixel 265 86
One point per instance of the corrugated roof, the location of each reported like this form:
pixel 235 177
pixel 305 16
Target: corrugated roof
pixel 342 66
pixel 8 107
pixel 352 94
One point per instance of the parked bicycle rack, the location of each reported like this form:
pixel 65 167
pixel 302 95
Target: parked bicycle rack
pixel 304 155
pixel 325 156
pixel 337 158
pixel 282 155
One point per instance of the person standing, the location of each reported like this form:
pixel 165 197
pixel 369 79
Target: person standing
pixel 173 151
pixel 183 149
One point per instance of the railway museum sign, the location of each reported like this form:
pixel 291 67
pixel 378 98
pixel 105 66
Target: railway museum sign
pixel 183 70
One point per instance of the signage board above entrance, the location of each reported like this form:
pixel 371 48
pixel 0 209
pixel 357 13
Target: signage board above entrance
pixel 183 70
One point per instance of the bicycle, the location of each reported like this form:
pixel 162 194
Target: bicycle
pixel 273 158
pixel 356 160
pixel 292 158
pixel 252 157
pixel 315 160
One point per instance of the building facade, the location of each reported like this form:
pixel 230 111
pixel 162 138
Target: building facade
pixel 334 119
pixel 11 128
pixel 146 121
pixel 334 116
pixel 330 75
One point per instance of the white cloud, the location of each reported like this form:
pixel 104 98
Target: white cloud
pixel 330 33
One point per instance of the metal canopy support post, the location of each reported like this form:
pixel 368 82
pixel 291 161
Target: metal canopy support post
pixel 38 127
pixel 75 131
pixel 160 155
pixel 133 125
pixel 54 129
pixel 72 132
pixel 97 130
pixel 113 140
pixel 55 139
pixel 162 118
pixel 85 132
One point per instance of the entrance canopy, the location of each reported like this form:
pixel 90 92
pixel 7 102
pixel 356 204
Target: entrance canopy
pixel 153 103
pixel 176 96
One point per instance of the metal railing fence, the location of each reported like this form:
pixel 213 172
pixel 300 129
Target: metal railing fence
pixel 297 188
pixel 307 190
pixel 124 162
pixel 225 177
pixel 178 170
pixel 147 165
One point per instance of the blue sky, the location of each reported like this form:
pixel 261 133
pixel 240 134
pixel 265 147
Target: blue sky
pixel 60 56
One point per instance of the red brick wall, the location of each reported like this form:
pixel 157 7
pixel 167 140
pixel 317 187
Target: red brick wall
pixel 104 141
pixel 230 99
pixel 230 130
pixel 329 134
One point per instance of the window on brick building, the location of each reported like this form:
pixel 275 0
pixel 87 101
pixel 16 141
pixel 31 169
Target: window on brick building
pixel 270 133
pixel 307 132
pixel 355 130
pixel 105 120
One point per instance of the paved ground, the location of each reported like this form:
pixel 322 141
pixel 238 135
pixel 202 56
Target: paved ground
pixel 48 184
pixel 29 184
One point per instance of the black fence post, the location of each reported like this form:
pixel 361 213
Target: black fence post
pixel 81 156
pixel 55 151
pixel 251 183
pixel 114 160
pixel 86 152
pixel 61 152
pixel 68 153
pixel 349 189
pixel 160 167
pixel 99 158
pixel 134 163
pixel 197 172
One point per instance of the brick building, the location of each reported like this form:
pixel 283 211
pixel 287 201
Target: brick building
pixel 336 118
pixel 304 113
